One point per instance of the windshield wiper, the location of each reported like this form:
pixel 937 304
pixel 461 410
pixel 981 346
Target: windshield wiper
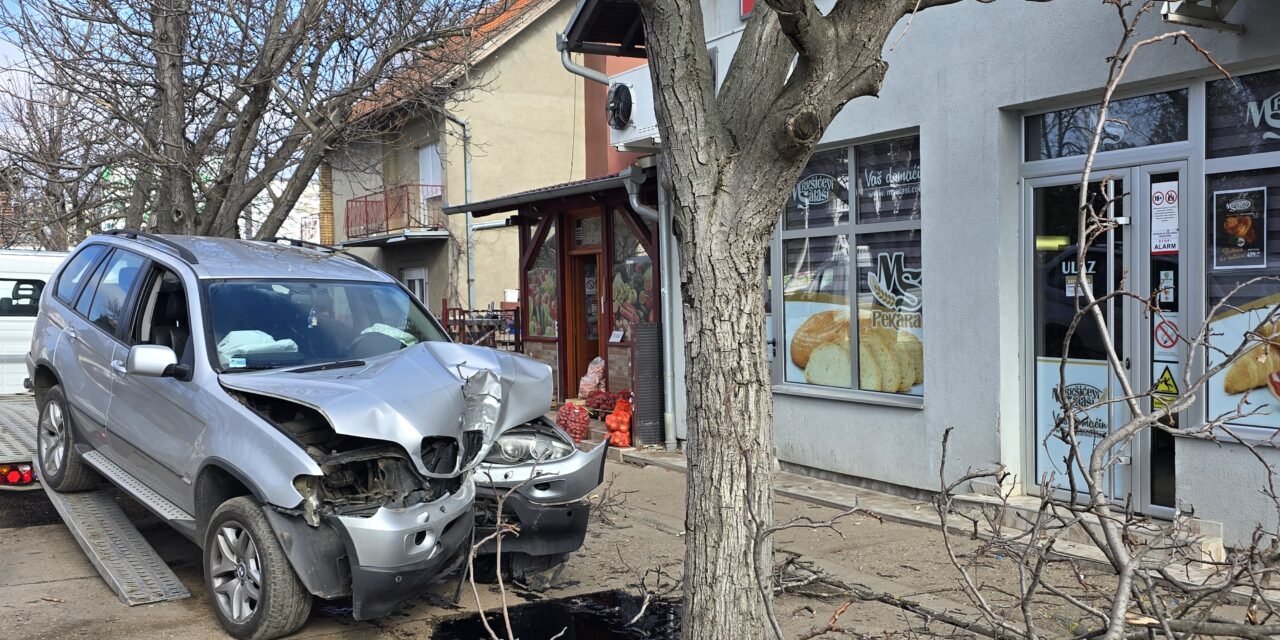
pixel 338 364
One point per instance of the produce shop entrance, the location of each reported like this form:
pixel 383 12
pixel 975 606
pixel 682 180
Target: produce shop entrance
pixel 590 302
pixel 1141 254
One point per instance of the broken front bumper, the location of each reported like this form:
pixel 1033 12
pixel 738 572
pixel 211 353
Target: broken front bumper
pixel 396 553
pixel 546 501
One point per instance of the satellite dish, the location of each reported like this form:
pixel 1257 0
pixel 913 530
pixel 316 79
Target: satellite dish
pixel 618 107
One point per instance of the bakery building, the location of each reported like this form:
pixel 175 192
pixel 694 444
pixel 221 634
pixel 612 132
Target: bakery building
pixel 922 275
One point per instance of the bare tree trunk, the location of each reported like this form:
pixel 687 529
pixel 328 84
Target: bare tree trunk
pixel 730 400
pixel 179 214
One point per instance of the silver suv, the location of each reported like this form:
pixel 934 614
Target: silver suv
pixel 301 417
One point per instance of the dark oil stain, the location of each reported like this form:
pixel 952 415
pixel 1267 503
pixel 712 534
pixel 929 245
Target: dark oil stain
pixel 595 616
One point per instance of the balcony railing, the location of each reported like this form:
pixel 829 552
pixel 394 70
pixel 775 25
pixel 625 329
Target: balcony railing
pixel 408 207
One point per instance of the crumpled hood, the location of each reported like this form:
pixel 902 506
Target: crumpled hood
pixel 410 394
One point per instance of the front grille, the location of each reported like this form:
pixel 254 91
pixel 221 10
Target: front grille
pixel 440 454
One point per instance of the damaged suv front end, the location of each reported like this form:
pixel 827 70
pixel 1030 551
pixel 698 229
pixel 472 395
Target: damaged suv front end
pixel 396 438
pixel 543 482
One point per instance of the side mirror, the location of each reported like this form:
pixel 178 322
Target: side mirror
pixel 152 360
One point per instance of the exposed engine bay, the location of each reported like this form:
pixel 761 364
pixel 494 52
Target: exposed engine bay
pixel 360 474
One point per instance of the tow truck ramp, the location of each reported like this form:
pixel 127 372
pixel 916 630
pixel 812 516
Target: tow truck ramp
pixel 128 563
pixel 17 431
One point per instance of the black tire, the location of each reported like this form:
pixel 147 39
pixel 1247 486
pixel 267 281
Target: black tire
pixel 55 441
pixel 283 604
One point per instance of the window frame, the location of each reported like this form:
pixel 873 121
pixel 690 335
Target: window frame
pixel 853 230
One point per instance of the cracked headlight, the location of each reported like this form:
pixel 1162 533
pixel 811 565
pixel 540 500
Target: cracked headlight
pixel 526 446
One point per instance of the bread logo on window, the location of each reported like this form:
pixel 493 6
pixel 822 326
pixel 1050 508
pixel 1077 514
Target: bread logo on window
pixel 1265 111
pixel 894 286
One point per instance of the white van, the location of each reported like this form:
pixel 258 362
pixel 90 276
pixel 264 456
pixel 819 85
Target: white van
pixel 23 275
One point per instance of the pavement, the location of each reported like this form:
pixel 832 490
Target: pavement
pixel 48 589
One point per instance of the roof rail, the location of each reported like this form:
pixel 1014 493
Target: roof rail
pixel 134 234
pixel 298 242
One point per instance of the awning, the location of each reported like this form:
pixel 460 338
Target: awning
pixel 606 27
pixel 513 201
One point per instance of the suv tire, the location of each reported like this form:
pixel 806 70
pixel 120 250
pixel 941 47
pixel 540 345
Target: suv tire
pixel 243 557
pixel 61 466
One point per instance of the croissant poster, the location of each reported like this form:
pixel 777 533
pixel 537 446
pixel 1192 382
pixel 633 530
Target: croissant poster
pixel 1240 229
pixel 1251 383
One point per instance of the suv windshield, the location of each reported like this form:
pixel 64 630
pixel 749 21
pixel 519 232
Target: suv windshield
pixel 265 324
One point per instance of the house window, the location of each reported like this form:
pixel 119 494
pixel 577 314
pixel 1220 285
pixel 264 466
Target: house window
pixel 836 268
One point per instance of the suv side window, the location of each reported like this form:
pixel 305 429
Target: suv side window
pixel 120 274
pixel 76 271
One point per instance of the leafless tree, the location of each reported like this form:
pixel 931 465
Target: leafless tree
pixel 730 158
pixel 1157 578
pixel 198 106
pixel 56 178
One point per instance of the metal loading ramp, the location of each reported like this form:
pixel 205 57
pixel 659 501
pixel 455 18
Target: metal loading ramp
pixel 131 567
pixel 17 430
pixel 128 563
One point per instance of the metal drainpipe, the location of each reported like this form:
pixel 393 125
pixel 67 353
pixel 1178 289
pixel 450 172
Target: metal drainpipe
pixel 466 187
pixel 575 68
pixel 636 177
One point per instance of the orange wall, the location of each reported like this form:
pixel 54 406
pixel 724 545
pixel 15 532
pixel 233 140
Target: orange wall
pixel 602 159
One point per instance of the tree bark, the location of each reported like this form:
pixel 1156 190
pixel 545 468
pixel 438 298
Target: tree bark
pixel 730 455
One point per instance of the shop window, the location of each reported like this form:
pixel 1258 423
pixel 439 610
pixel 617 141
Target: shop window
pixel 1243 244
pixel 888 180
pixel 632 280
pixel 890 347
pixel 542 295
pixel 816 311
pixel 1140 121
pixel 868 268
pixel 1243 115
pixel 821 195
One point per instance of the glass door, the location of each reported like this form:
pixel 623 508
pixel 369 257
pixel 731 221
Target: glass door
pixel 1159 273
pixel 1141 254
pixel 1057 290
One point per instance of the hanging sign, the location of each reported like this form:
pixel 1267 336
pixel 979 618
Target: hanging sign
pixel 1240 229
pixel 1164 218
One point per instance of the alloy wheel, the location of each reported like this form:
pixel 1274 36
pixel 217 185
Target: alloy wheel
pixel 235 571
pixel 53 439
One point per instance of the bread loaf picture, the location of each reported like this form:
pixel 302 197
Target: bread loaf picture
pixel 819 329
pixel 1251 369
pixel 889 360
pixel 1243 388
pixel 830 364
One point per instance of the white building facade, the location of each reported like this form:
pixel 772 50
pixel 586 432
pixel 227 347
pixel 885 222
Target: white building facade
pixel 941 216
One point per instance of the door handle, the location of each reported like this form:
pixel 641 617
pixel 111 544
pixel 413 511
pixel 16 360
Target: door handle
pixel 118 367
pixel 71 333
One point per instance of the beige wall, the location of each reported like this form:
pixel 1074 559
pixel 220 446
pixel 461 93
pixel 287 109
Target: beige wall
pixel 527 132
